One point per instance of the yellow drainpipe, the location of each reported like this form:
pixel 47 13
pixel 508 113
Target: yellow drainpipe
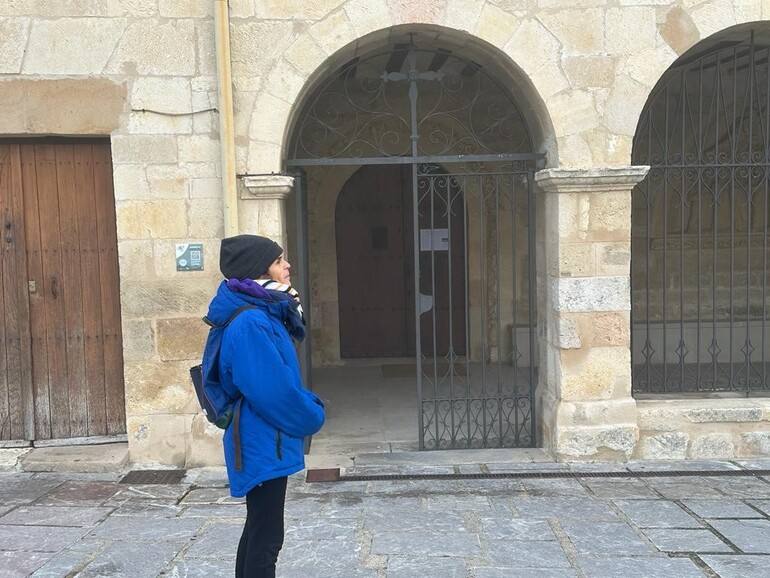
pixel 226 125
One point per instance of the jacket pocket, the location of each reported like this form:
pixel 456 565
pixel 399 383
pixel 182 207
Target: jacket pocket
pixel 278 448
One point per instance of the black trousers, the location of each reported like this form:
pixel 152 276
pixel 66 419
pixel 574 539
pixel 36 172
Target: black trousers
pixel 262 536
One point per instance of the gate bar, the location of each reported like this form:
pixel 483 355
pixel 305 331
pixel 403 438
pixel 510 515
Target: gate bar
pixel 355 161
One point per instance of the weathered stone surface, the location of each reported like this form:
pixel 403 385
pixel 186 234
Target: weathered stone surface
pixel 605 538
pixel 205 448
pixel 295 9
pixel 305 55
pixel 181 338
pixel 156 47
pixel 83 106
pixel 602 442
pixel 613 259
pixel 596 373
pixel 678 30
pixel 144 149
pixel 207 55
pixel 665 446
pixel 55 516
pixel 678 540
pixel 13 36
pixel 22 563
pixel 185 8
pixel 135 559
pixel 257 45
pixel 629 29
pixel 757 442
pixel 738 566
pixel 713 446
pixel 639 567
pixel 463 14
pixel 724 414
pixel 171 95
pixel 592 294
pixel 624 105
pixel 590 71
pixel 269 119
pixel 170 297
pixel 521 554
pixel 157 219
pixel 573 112
pixel 495 25
pixel 159 387
pixel 723 508
pixel 198 149
pixel 579 31
pixel 333 32
pixel 657 514
pixel 158 438
pixel 713 16
pixel 72 45
pixel 751 536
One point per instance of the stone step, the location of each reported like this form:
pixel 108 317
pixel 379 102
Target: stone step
pixel 102 458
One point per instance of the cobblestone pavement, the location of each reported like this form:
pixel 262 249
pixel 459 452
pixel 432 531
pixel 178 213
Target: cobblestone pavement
pixel 90 525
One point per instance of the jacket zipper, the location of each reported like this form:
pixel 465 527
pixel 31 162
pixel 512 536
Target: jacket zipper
pixel 278 451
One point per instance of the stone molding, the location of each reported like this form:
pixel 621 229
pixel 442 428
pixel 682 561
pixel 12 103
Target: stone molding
pixel 267 187
pixel 605 180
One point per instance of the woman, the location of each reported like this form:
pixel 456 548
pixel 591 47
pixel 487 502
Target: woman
pixel 259 363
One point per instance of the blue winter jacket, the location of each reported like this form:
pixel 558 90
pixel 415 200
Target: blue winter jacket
pixel 257 359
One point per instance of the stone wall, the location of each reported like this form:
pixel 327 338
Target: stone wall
pixel 703 429
pixel 143 71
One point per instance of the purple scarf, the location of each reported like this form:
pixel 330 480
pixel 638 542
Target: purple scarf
pixel 249 287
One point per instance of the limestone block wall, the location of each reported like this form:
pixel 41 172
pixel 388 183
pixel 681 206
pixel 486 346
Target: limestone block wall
pixel 142 73
pixel 703 429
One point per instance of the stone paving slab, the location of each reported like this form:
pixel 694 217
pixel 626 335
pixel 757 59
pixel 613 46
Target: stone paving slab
pixel 657 514
pixel 21 563
pixel 762 505
pixel 38 538
pixel 606 538
pixel 638 567
pixel 486 572
pixel 521 554
pixel 751 536
pixel 498 528
pixel 218 540
pixel 138 560
pixel 721 509
pixel 134 529
pixel 739 566
pixel 619 488
pixel 55 516
pixel 677 540
pixel 563 507
pixel 426 543
pixel 79 493
pixel 399 567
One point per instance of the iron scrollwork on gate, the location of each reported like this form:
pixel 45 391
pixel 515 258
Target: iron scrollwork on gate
pixel 473 236
pixel 700 226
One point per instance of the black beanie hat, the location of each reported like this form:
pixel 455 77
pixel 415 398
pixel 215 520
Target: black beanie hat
pixel 247 256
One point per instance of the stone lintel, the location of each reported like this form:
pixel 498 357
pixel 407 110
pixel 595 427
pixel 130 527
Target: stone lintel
pixel 605 180
pixel 267 187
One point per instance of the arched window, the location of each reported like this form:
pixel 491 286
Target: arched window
pixel 700 221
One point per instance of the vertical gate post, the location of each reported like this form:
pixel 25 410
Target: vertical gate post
pixel 585 385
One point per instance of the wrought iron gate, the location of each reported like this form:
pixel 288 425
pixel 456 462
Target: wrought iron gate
pixel 472 229
pixel 700 225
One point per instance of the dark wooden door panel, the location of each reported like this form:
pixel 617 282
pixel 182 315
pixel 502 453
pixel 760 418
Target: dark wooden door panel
pixel 16 419
pixel 61 359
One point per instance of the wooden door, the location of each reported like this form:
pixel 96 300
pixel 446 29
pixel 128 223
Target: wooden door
pixel 65 279
pixel 375 263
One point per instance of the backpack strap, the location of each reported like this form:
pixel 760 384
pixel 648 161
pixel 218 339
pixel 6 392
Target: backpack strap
pixel 230 319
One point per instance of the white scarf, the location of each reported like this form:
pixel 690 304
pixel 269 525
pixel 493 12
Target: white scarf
pixel 274 285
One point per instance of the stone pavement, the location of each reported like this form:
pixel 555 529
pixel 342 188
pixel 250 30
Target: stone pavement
pixel 89 525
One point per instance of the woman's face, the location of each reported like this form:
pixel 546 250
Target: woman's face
pixel 280 271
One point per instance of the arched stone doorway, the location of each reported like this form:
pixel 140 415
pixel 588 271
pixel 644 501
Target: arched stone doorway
pixel 418 163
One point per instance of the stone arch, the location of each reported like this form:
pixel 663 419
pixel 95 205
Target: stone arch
pixel 293 78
